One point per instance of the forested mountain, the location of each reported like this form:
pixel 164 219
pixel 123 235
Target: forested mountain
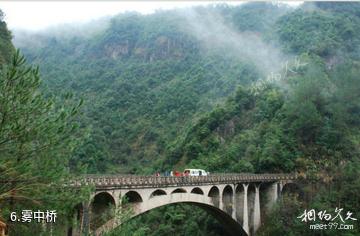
pixel 252 88
pixel 269 130
pixel 304 119
pixel 145 79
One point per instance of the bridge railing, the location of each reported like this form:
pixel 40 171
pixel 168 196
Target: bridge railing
pixel 131 180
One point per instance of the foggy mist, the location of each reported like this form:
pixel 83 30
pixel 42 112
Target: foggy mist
pixel 212 31
pixel 24 38
pixel 214 34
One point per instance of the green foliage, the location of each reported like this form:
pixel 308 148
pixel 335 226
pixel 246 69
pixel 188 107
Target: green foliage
pixel 171 220
pixel 321 32
pixel 6 47
pixel 37 140
pixel 257 16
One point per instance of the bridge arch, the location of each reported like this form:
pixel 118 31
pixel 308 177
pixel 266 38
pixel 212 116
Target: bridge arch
pixel 239 198
pixel 157 192
pixel 214 194
pixel 197 190
pixel 198 200
pixel 227 199
pixel 251 206
pixel 133 197
pixel 102 209
pixel 179 190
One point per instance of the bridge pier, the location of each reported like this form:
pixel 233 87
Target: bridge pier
pixel 245 212
pixel 275 193
pixel 234 205
pixel 257 220
pixel 221 200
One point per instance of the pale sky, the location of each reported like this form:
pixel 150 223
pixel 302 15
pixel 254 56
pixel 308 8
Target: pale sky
pixel 37 15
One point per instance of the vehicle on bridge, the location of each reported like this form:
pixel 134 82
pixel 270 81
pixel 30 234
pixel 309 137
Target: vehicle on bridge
pixel 176 173
pixel 195 172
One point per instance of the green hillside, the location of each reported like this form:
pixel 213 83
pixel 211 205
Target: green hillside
pixel 252 88
pixel 269 126
pixel 146 79
pixel 306 122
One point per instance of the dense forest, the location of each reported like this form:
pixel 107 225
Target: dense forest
pixel 259 88
pixel 156 75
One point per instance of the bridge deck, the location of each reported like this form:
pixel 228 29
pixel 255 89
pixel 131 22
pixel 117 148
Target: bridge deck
pixel 131 181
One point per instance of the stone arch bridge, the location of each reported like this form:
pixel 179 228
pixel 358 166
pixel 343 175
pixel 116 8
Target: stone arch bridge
pixel 238 201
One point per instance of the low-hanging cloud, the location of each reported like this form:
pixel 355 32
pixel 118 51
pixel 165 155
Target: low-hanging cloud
pixel 213 33
pixel 24 38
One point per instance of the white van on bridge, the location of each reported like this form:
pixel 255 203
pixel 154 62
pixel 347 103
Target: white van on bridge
pixel 195 172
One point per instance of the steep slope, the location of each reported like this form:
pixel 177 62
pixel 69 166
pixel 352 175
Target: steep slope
pixel 307 121
pixel 319 76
